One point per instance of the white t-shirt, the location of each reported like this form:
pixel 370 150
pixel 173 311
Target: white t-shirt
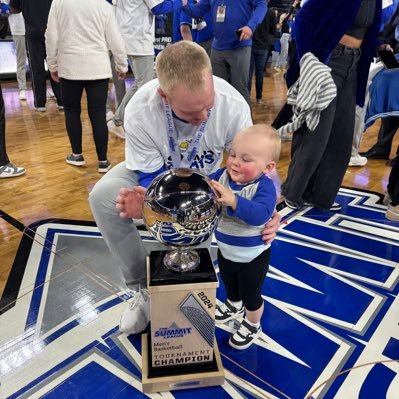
pixel 147 147
pixel 136 24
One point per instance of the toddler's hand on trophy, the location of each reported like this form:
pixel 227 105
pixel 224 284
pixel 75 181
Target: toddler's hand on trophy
pixel 271 228
pixel 226 196
pixel 130 202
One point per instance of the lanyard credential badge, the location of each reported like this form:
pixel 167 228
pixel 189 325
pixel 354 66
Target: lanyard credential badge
pixel 221 13
pixel 177 160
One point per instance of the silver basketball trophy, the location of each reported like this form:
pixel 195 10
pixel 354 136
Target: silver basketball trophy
pixel 181 211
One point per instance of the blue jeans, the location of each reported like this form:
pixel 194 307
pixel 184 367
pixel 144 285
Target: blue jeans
pixel 258 62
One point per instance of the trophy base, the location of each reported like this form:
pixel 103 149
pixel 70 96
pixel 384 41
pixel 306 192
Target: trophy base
pixel 181 260
pixel 170 378
pixel 160 275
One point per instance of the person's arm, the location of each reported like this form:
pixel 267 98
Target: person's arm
pixel 145 179
pixel 165 6
pixel 116 45
pixel 199 9
pixel 185 31
pixel 258 13
pixel 51 36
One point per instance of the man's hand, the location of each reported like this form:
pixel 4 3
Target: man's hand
pixel 384 46
pixel 55 76
pixel 226 196
pixel 271 228
pixel 121 75
pixel 130 202
pixel 246 33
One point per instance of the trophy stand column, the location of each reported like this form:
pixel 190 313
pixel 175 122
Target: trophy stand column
pixel 181 350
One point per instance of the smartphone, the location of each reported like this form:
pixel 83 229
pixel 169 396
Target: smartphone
pixel 388 59
pixel 238 33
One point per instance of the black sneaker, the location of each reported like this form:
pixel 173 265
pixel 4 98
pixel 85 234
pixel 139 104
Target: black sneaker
pixel 245 336
pixel 104 166
pixel 227 312
pixel 76 160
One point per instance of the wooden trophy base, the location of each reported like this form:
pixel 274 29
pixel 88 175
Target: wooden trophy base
pixel 170 378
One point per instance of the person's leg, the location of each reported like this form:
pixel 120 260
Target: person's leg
pixel 20 49
pixel 239 60
pixel 35 50
pixel 96 91
pixel 119 85
pixel 306 152
pixel 382 148
pixel 219 65
pixel 207 46
pixel 327 179
pixel 251 70
pixel 260 62
pixel 120 235
pixel 3 152
pixel 392 212
pixel 143 70
pixel 72 94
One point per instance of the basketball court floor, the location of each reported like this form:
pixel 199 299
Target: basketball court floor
pixel 330 326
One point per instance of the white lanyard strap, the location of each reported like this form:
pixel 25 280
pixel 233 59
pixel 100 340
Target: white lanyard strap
pixel 179 161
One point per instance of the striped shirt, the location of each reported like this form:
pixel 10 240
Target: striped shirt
pixel 310 94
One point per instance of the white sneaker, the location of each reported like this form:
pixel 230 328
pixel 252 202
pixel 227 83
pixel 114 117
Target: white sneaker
pixel 10 170
pixel 22 95
pixel 40 109
pixel 50 93
pixel 117 130
pixel 358 160
pixel 136 317
pixel 109 115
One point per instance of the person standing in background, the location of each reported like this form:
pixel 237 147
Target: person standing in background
pixel 260 52
pixel 17 27
pixel 35 13
pixel 95 33
pixel 233 24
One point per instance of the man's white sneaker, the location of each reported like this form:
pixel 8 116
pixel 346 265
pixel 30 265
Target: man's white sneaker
pixel 117 130
pixel 22 95
pixel 40 109
pixel 136 317
pixel 10 170
pixel 357 160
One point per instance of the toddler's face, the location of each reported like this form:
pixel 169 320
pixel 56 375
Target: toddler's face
pixel 249 158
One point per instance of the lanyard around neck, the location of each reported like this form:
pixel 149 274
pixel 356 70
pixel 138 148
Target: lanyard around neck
pixel 179 161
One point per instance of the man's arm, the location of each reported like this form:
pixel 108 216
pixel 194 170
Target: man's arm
pixel 166 6
pixel 185 31
pixel 198 10
pixel 258 14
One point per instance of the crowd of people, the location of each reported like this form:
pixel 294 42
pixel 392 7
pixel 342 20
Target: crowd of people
pixel 199 107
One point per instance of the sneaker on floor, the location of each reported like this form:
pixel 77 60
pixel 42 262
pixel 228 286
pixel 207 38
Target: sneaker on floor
pixel 335 207
pixel 76 160
pixel 245 336
pixel 227 312
pixel 40 109
pixel 387 199
pixel 10 170
pixel 117 130
pixel 50 93
pixel 109 115
pixel 392 213
pixel 291 205
pixel 22 95
pixel 136 317
pixel 60 107
pixel 104 166
pixel 358 160
pixel 260 101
